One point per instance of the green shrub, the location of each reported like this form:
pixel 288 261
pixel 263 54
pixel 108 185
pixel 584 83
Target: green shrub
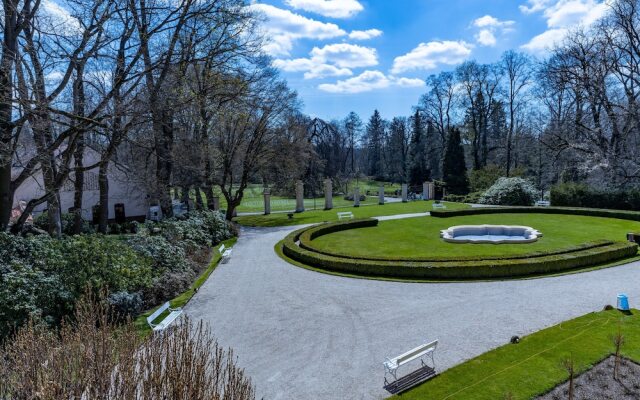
pixel 581 195
pixel 482 179
pixel 590 212
pixel 42 222
pixel 510 192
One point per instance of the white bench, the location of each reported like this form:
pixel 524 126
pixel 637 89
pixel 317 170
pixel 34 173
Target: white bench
pixel 391 365
pixel 225 253
pixel 439 205
pixel 543 203
pixel 164 324
pixel 345 215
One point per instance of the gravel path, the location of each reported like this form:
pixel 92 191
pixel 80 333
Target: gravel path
pixel 306 335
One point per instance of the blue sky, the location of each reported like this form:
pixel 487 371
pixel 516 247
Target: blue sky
pixel 361 55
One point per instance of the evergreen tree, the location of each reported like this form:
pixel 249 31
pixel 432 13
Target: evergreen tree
pixel 375 146
pixel 455 167
pixel 418 170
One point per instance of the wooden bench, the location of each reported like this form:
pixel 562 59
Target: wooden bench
pixel 543 203
pixel 224 253
pixel 391 365
pixel 439 205
pixel 164 324
pixel 345 215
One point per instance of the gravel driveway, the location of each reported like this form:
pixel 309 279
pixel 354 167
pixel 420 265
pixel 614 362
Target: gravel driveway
pixel 306 335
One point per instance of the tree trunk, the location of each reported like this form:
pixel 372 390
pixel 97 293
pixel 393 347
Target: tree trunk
pixel 199 203
pixel 103 185
pixel 78 187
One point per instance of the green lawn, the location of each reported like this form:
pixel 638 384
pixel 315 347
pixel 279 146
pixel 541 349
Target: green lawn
pixel 314 217
pixel 533 366
pixel 253 198
pixel 420 237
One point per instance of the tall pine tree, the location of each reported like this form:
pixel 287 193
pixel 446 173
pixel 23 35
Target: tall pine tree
pixel 454 166
pixel 375 146
pixel 418 170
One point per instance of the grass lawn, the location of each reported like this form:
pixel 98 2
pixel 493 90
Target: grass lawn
pixel 314 217
pixel 420 237
pixel 141 322
pixel 534 366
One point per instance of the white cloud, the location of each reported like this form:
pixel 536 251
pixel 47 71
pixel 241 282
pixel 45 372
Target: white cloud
pixel 312 70
pixel 368 81
pixel 345 55
pixel 561 17
pixel 486 38
pixel 59 19
pixel 365 35
pixel 283 27
pixel 489 27
pixel 331 60
pixel 430 55
pixel 328 8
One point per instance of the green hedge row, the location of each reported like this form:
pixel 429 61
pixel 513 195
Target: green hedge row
pixel 308 235
pixel 590 212
pixel 480 269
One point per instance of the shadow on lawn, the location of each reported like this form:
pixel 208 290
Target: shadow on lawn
pixel 408 381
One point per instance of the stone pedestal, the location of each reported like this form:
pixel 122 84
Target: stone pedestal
pixel 425 191
pixel 356 196
pixel 299 196
pixel 405 194
pixel 267 201
pixel 432 191
pixel 328 194
pixel 216 203
pixel 381 195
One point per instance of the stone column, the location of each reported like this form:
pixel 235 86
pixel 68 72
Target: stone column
pixel 425 191
pixel 267 201
pixel 216 203
pixel 328 194
pixel 432 190
pixel 299 196
pixel 405 194
pixel 381 195
pixel 356 196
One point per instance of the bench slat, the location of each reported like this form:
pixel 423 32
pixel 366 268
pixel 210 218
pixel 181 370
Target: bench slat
pixel 167 321
pixel 157 312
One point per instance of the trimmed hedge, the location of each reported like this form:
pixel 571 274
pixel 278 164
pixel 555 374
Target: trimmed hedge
pixel 581 195
pixel 298 246
pixel 589 212
pixel 479 269
pixel 310 234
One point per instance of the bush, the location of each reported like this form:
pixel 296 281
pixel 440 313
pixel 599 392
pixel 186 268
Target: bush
pixel 42 222
pixel 97 358
pixel 482 179
pixel 125 304
pixel 590 212
pixel 510 192
pixel 200 228
pixel 581 195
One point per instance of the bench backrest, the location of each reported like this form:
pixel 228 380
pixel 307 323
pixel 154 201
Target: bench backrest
pixel 221 249
pixel 157 312
pixel 423 349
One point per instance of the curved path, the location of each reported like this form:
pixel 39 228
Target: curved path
pixel 306 335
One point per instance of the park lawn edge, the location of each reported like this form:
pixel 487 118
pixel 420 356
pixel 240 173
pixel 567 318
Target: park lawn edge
pixel 140 322
pixel 278 250
pixel 476 373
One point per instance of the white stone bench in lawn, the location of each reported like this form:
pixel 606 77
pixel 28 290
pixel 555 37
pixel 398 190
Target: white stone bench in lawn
pixel 225 253
pixel 391 365
pixel 345 215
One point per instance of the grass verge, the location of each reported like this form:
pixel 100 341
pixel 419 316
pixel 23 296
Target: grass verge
pixel 318 216
pixel 534 366
pixel 180 301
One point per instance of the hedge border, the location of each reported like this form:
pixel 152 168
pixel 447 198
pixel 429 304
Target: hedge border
pixel 581 257
pixel 588 212
pixel 307 236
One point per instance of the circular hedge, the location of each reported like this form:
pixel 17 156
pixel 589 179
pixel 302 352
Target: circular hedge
pixel 299 247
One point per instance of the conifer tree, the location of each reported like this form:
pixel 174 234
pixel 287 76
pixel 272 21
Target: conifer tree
pixel 454 167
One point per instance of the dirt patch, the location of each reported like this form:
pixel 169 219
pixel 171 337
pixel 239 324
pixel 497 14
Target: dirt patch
pixel 598 383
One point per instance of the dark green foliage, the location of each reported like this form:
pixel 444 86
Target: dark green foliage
pixel 126 304
pixel 589 212
pixel 42 222
pixel 418 167
pixel 454 167
pixel 42 277
pixel 375 144
pixel 482 179
pixel 581 195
